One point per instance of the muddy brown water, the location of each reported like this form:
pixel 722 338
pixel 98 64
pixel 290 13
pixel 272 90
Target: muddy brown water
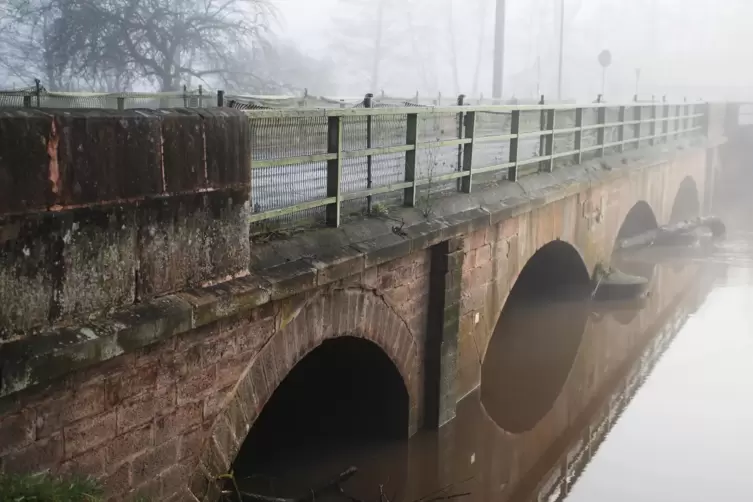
pixel 649 401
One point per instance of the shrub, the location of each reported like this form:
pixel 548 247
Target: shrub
pixel 45 488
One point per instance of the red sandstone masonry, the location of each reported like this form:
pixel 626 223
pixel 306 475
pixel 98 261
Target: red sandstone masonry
pixel 190 398
pixel 141 422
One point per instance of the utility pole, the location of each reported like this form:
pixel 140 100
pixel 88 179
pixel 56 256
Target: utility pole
pixel 377 60
pixel 499 50
pixel 562 49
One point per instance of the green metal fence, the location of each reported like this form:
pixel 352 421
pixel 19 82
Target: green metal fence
pixel 330 163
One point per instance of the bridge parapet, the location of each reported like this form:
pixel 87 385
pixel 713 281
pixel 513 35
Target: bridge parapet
pixel 102 209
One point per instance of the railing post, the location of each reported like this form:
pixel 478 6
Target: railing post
pixel 27 101
pixel 549 165
pixel 220 98
pixel 121 103
pixel 368 103
pixel 579 135
pixel 638 117
pixel 334 169
pixel 470 128
pixel 201 97
pixel 411 139
pixel 38 88
pixel 621 131
pixel 461 121
pixel 512 175
pixel 542 127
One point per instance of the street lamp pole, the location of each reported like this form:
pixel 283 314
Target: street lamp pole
pixel 499 50
pixel 562 48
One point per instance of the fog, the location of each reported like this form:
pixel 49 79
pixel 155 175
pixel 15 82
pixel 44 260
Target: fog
pixel 694 49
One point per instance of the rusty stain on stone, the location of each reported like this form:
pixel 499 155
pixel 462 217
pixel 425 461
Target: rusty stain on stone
pixel 52 150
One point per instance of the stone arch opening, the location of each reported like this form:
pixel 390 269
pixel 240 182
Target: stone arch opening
pixel 536 339
pixel 343 369
pixel 687 204
pixel 345 390
pixel 640 219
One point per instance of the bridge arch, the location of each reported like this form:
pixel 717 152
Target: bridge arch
pixel 536 339
pixel 687 202
pixel 376 359
pixel 639 219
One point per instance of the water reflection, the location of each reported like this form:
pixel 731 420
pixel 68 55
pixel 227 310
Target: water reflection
pixel 559 426
pixel 686 435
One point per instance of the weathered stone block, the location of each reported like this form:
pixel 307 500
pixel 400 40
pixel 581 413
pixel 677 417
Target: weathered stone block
pixel 59 265
pixel 126 445
pixel 27 169
pixel 228 146
pixel 107 155
pixel 188 240
pixel 154 461
pixel 183 419
pixel 38 457
pixel 27 250
pixel 183 150
pixel 88 433
pixel 98 262
pixel 16 430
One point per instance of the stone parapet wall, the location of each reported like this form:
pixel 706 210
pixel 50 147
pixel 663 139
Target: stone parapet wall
pixel 103 209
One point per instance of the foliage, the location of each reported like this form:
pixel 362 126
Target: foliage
pixel 44 488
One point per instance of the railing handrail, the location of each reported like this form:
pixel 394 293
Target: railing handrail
pixel 429 110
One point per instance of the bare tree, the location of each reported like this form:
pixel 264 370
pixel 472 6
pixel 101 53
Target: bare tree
pixel 111 43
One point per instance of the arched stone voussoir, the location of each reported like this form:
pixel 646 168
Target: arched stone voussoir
pixel 345 312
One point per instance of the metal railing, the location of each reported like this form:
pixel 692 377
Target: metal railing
pixel 320 162
pixel 41 98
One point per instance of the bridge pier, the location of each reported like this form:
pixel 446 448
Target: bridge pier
pixel 443 330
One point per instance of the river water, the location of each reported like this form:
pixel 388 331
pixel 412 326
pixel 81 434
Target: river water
pixel 639 402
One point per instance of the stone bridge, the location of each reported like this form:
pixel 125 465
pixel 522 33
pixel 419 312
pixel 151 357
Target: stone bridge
pixel 146 339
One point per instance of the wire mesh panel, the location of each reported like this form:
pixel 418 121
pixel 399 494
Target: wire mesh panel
pixel 285 137
pixel 284 186
pixel 388 130
pixel 488 153
pixel 564 142
pixel 354 133
pixel 438 127
pixel 611 134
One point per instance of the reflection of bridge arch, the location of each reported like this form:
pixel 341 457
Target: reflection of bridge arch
pixel 347 354
pixel 536 338
pixel 687 202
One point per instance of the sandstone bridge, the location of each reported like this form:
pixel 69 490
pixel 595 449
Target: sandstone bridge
pixel 148 332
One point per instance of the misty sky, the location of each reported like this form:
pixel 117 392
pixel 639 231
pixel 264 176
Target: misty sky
pixel 680 45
